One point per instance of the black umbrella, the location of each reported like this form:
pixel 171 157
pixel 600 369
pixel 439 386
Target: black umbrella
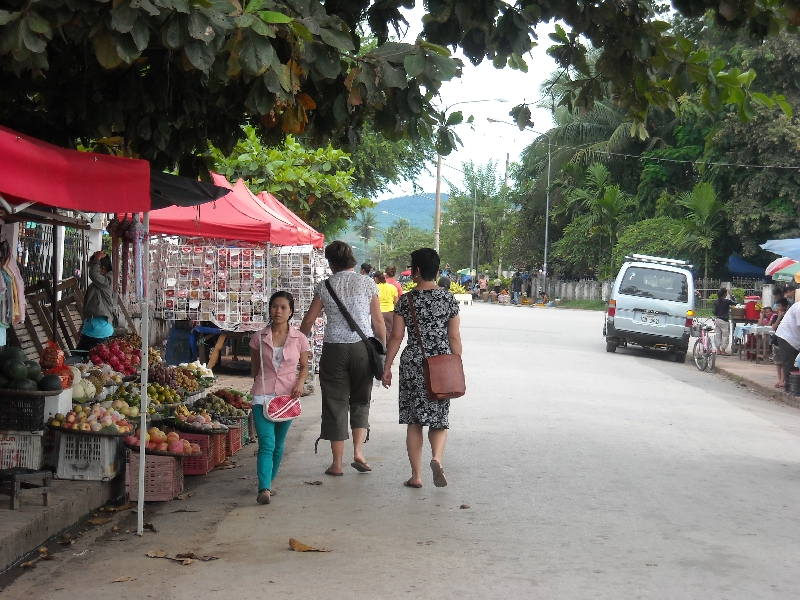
pixel 171 190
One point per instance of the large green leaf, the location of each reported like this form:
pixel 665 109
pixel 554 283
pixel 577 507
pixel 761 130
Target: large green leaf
pixel 106 51
pixel 337 39
pixel 414 63
pixel 200 54
pixel 6 16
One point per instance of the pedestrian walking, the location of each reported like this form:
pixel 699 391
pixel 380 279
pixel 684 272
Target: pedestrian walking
pixel 345 375
pixel 483 284
pixel 388 296
pixel 788 334
pixel 437 315
pixel 498 285
pixel 391 273
pixel 366 269
pixel 783 306
pixel 275 353
pixel 722 311
pixel 516 287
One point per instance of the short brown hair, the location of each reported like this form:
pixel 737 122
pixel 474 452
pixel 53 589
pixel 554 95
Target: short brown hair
pixel 340 256
pixel 391 271
pixel 380 277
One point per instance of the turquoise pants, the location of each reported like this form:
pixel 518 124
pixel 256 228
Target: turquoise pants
pixel 270 447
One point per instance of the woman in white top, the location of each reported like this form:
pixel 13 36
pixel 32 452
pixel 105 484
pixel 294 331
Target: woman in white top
pixel 345 376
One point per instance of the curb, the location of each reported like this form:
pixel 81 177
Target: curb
pixel 789 399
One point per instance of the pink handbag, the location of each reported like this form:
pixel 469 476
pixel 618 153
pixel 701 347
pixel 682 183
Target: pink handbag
pixel 282 408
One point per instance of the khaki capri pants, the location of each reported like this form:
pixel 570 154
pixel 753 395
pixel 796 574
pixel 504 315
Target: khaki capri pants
pixel 345 379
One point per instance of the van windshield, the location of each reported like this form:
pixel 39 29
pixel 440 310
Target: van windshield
pixel 647 282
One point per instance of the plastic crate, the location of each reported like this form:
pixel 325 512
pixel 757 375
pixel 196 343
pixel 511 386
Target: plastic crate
pixel 21 449
pixel 163 477
pixel 61 403
pixel 50 445
pixel 245 429
pixel 89 457
pixel 219 448
pixel 200 465
pixel 233 440
pixel 21 414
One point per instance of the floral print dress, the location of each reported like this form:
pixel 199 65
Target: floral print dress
pixel 434 310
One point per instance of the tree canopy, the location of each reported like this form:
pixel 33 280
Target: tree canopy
pixel 172 75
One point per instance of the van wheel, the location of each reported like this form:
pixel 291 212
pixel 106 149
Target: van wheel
pixel 611 347
pixel 680 357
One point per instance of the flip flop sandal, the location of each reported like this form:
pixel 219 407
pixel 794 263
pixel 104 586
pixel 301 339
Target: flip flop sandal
pixel 360 467
pixel 412 485
pixel 439 479
pixel 327 472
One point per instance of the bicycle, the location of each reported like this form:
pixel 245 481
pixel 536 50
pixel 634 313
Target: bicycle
pixel 705 348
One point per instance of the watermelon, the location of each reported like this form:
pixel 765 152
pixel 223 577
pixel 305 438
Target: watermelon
pixel 11 352
pixel 37 377
pixel 15 369
pixel 33 369
pixel 22 383
pixel 50 383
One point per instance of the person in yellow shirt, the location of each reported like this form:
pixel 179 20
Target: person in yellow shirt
pixel 387 294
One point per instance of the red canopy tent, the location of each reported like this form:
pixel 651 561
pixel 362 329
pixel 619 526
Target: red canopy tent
pixel 37 172
pixel 306 234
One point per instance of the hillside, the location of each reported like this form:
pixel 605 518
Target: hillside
pixel 417 209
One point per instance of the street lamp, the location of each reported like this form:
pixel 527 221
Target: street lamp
pixel 438 214
pixel 547 205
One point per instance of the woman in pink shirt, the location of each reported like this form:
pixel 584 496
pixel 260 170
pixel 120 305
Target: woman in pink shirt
pixel 390 274
pixel 276 350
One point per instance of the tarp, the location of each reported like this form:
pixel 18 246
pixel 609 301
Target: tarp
pixel 34 171
pixel 739 266
pixel 305 233
pixel 790 247
pixel 171 190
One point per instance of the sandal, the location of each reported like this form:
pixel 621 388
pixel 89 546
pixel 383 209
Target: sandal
pixel 329 472
pixel 412 485
pixel 361 467
pixel 263 497
pixel 439 480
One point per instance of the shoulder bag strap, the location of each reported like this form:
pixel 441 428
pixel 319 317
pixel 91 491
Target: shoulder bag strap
pixel 345 313
pixel 416 323
pixel 261 366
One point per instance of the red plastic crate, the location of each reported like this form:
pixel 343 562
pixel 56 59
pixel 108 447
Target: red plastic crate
pixel 233 440
pixel 219 448
pixel 163 477
pixel 200 465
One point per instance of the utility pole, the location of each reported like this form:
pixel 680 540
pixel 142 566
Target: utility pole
pixel 505 198
pixel 438 215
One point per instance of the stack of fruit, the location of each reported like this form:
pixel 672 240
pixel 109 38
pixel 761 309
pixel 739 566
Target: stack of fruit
pixel 235 398
pixel 19 373
pixel 216 405
pixel 119 354
pixel 162 394
pixel 160 442
pixel 202 422
pixel 186 379
pixel 92 419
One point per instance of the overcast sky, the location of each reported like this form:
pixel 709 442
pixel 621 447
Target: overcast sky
pixel 486 141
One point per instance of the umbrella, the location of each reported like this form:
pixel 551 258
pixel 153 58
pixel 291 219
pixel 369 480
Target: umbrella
pixel 787 273
pixel 778 264
pixel 466 272
pixel 406 273
pixel 790 248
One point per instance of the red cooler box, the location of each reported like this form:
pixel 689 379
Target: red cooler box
pixel 750 312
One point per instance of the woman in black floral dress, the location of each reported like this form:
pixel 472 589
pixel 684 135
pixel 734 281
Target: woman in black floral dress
pixel 437 313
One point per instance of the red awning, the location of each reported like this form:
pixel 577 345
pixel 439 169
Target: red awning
pixel 35 171
pixel 305 233
pixel 284 232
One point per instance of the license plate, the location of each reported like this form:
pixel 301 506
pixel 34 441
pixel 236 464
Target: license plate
pixel 650 318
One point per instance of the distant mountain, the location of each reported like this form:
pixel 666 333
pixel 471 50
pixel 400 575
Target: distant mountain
pixel 418 209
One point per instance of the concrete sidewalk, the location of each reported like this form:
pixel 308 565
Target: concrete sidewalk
pixel 760 377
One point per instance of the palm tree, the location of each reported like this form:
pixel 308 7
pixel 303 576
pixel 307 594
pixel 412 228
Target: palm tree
pixel 703 222
pixel 603 202
pixel 366 224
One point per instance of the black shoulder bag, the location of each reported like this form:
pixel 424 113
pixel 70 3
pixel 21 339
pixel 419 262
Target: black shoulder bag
pixel 375 349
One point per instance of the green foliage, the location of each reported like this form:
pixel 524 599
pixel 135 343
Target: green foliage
pixel 704 221
pixel 315 184
pixel 655 237
pixel 401 240
pixel 169 76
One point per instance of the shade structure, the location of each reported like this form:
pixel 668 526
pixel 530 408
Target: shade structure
pixel 283 232
pixel 787 274
pixel 34 171
pixel 305 233
pixel 778 264
pixel 171 190
pixel 789 248
pixel 739 266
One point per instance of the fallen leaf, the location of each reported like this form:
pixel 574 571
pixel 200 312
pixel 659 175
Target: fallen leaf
pixel 98 521
pixel 48 557
pixel 121 579
pixel 43 550
pixel 227 465
pixel 157 554
pixel 115 528
pixel 184 496
pixel 313 482
pixel 464 506
pixel 196 556
pixel 301 547
pixel 126 506
pixel 28 565
pixel 184 510
pixel 66 542
pixel 150 527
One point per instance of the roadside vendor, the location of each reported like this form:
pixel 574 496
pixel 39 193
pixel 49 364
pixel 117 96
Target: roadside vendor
pixel 97 306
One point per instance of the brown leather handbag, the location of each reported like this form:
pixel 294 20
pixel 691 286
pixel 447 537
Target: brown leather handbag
pixel 444 373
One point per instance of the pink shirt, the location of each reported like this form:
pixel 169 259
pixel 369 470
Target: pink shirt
pixel 395 283
pixel 282 382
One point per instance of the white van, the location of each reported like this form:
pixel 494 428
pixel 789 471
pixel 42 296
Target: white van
pixel 651 305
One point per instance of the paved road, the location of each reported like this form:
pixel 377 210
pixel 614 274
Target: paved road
pixel 586 474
